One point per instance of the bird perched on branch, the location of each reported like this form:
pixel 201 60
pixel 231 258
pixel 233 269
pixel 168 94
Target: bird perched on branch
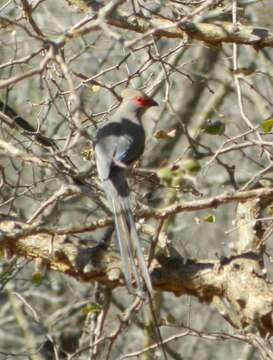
pixel 119 143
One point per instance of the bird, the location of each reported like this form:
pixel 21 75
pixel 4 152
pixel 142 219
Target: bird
pixel 118 144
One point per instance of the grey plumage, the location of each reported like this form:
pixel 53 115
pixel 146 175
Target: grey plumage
pixel 118 144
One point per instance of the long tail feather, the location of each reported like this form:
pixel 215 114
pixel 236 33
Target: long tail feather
pixel 128 239
pixel 137 245
pixel 125 241
pixel 122 233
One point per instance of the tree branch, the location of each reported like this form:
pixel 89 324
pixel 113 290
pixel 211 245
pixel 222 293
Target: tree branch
pixel 213 202
pixel 239 280
pixel 211 33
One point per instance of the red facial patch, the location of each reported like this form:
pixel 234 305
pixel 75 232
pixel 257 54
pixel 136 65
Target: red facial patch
pixel 144 102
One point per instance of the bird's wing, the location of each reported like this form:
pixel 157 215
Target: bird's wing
pixel 130 145
pixel 105 146
pixel 122 152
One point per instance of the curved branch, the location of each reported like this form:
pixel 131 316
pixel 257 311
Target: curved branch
pixel 238 281
pixel 146 213
pixel 212 33
pixel 213 202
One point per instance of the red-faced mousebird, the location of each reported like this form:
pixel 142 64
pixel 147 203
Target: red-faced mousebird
pixel 118 144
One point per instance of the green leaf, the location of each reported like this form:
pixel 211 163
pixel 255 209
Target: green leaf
pixel 91 308
pixel 170 320
pixel 269 210
pixel 267 125
pixel 37 278
pixel 210 218
pixel 165 175
pixel 191 165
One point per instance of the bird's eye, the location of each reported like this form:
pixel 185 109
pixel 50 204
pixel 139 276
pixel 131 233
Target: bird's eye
pixel 139 101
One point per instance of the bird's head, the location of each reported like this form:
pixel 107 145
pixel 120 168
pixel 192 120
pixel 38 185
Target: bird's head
pixel 137 99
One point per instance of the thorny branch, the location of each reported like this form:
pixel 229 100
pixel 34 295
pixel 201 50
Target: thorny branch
pixel 61 76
